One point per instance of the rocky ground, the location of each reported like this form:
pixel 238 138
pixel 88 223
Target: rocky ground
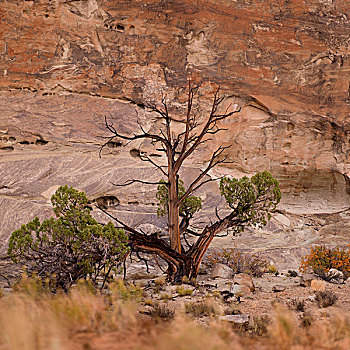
pixel 234 308
pixel 245 297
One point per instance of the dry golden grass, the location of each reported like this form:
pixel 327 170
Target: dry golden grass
pixel 32 319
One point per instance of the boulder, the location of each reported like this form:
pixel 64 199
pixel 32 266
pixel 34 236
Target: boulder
pixel 335 276
pixel 224 286
pixel 221 271
pixel 238 319
pixel 292 273
pixel 141 273
pixel 318 285
pixel 305 280
pixel 239 290
pixel 278 288
pixel 244 280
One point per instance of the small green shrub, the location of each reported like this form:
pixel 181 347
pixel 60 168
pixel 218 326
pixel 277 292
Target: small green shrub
pixel 160 281
pixel 71 247
pixel 272 269
pixel 182 291
pixel 239 261
pixel 121 290
pixel 148 302
pixel 165 296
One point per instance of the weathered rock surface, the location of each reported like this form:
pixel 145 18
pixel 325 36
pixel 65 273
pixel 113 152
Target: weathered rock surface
pixel 306 280
pixel 278 288
pixel 318 285
pixel 238 319
pixel 335 276
pixel 244 280
pixel 221 270
pixel 66 64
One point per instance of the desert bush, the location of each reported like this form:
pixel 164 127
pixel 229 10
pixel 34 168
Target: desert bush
pixel 182 291
pixel 165 296
pixel 84 318
pixel 259 325
pixel 272 269
pixel 71 247
pixel 296 304
pixel 160 281
pixel 321 259
pixel 326 298
pixel 125 291
pixel 306 320
pixel 239 261
pixel 162 311
pixel 202 308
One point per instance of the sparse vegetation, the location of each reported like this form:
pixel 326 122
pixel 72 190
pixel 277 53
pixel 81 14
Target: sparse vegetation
pixel 183 291
pixel 200 309
pixel 72 246
pixel 272 269
pixel 239 261
pixel 259 325
pixel 326 298
pixel 86 316
pixel 126 291
pixel 161 311
pixel 296 304
pixel 165 296
pixel 160 281
pixel 306 319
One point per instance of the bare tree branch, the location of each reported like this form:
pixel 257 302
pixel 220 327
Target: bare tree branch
pixel 146 158
pixel 213 118
pixel 212 163
pixel 130 182
pixel 145 135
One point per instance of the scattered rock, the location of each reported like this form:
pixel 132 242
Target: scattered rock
pixel 335 276
pixel 209 284
pixel 224 286
pixel 221 271
pixel 230 298
pixel 282 219
pixel 311 297
pixel 318 285
pixel 305 280
pixel 140 272
pixel 238 319
pixel 238 289
pixel 292 273
pixel 244 280
pixel 278 288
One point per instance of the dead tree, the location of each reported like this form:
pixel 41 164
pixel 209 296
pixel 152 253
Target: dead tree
pixel 250 204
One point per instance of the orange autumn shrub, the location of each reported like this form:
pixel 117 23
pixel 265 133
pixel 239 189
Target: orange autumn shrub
pixel 321 259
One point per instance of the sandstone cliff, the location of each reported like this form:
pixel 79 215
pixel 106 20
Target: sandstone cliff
pixel 66 64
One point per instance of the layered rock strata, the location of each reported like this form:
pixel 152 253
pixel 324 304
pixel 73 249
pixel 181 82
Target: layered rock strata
pixel 64 65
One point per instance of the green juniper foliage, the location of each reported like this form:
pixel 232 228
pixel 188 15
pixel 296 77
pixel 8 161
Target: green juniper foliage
pixel 188 207
pixel 252 199
pixel 70 247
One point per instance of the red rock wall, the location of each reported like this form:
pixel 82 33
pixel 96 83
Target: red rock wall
pixel 64 64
